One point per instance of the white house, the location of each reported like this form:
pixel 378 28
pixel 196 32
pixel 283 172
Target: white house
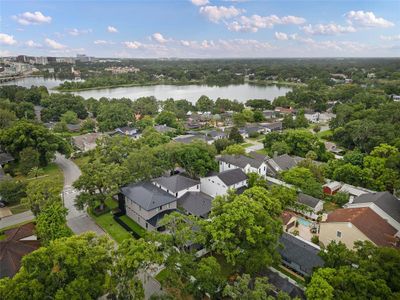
pixel 128 131
pixel 247 164
pixel 220 183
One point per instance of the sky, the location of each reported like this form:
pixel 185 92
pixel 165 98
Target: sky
pixel 201 28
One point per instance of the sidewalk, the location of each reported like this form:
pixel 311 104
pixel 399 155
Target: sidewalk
pixel 16 219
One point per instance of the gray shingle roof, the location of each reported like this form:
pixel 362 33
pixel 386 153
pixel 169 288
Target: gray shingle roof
pixel 188 138
pixel 5 158
pixel 384 200
pixel 163 128
pixel 176 183
pixel 298 252
pixel 196 203
pixel 147 195
pixel 241 161
pixel 284 162
pixel 232 177
pixel 158 217
pixel 308 200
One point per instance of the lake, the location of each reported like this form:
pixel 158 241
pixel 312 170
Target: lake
pixel 240 92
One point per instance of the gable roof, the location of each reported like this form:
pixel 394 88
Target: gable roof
pixel 196 203
pixel 13 248
pixel 368 222
pixel 282 162
pixel 384 200
pixel 299 252
pixel 232 177
pixel 308 200
pixel 241 161
pixel 286 216
pixel 5 158
pixel 147 195
pixel 188 138
pixel 176 183
pixel 163 128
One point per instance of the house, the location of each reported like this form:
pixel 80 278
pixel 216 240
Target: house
pixel 348 225
pixel 284 110
pixel 196 203
pixel 313 205
pixel 332 147
pixel 395 97
pixel 246 163
pixel 312 117
pixel 147 204
pixel 74 127
pixel 177 185
pixel 269 114
pixel 86 141
pixel 331 188
pixel 216 134
pixel 288 220
pixel 385 204
pixel 220 183
pixel 5 158
pixel 127 131
pixel 283 283
pixel 299 255
pixel 274 126
pixel 164 128
pixel 353 191
pixel 281 163
pixel 17 243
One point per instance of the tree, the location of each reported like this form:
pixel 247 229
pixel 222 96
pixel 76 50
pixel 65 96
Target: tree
pixel 41 194
pixel 28 159
pixel 301 121
pixel 60 127
pixel 304 179
pixel 279 148
pixel 89 125
pixel 145 122
pixel 132 256
pixel 239 119
pixel 234 135
pixel 24 134
pixel 152 138
pixel 98 182
pixel 319 288
pixel 113 115
pixel 241 288
pixel 6 118
pixel 222 144
pixel 51 223
pixel 115 149
pixel 208 278
pixel 12 190
pixel 288 122
pixel 69 117
pixel 76 267
pixel 234 150
pixel 248 115
pixel 204 104
pixel 145 106
pixel 166 118
pixel 258 116
pixel 245 228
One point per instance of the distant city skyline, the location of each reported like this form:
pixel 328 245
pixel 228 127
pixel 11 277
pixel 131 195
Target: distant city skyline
pixel 201 28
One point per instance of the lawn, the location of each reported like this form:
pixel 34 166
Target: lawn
pixel 330 206
pixel 245 145
pixel 133 225
pixel 262 151
pixel 19 208
pixel 51 171
pixel 80 161
pixel 116 231
pixel 324 135
pixel 162 275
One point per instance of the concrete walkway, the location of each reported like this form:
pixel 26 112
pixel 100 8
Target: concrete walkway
pixel 16 219
pixel 256 146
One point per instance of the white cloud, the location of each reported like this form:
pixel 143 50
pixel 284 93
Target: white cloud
pixel 112 29
pixel 103 42
pixel 366 19
pixel 132 45
pixel 159 38
pixel 281 36
pixel 7 39
pixel 218 13
pixel 327 29
pixel 200 2
pixel 54 45
pixel 33 44
pixel 390 38
pixel 256 22
pixel 29 18
pixel 76 32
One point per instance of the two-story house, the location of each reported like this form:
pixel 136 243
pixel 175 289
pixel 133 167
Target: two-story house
pixel 247 164
pixel 219 183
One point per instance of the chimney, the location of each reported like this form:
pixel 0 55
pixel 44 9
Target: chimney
pixel 275 154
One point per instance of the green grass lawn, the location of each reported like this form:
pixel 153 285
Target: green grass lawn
pixel 19 208
pixel 160 277
pixel 262 151
pixel 330 206
pixel 324 135
pixel 81 160
pixel 133 225
pixel 111 203
pixel 50 172
pixel 116 231
pixel 245 145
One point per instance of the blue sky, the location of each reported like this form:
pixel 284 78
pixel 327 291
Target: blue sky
pixel 201 28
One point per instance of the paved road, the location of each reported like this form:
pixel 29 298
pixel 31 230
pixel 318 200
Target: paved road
pixel 255 147
pixel 77 220
pixel 16 219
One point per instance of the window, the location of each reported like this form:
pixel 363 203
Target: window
pixel 176 194
pixel 338 234
pixel 160 208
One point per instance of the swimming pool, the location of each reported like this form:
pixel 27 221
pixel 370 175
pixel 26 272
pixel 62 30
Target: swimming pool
pixel 304 222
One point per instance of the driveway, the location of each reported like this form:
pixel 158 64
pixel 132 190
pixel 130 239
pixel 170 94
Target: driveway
pixel 16 219
pixel 256 146
pixel 77 220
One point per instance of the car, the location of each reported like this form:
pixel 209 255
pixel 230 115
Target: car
pixel 2 204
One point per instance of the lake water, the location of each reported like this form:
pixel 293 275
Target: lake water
pixel 240 92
